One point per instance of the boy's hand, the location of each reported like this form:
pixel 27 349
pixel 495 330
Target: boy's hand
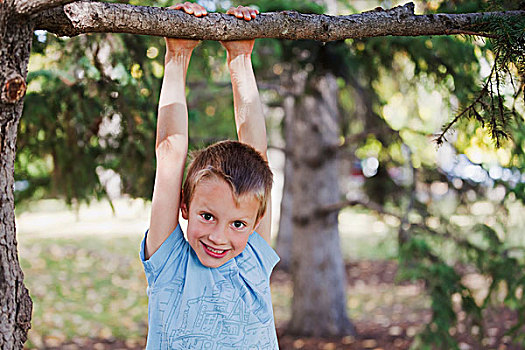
pixel 243 12
pixel 191 9
pixel 185 45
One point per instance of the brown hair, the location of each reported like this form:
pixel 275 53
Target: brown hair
pixel 237 163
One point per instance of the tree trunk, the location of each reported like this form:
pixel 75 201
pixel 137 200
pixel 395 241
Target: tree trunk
pixel 284 237
pixel 15 303
pixel 319 302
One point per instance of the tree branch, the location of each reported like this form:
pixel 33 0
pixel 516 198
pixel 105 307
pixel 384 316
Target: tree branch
pixel 88 17
pixel 28 7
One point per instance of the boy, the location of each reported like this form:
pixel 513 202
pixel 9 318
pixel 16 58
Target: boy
pixel 212 290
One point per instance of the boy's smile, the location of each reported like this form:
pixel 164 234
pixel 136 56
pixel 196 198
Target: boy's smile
pixel 218 225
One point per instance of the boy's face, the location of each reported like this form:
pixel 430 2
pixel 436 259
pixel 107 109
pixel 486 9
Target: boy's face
pixel 218 227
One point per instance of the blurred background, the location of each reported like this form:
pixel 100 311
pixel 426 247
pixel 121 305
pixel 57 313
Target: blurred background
pixel 427 237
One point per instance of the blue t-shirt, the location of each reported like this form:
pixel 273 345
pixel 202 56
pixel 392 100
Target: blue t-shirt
pixel 196 307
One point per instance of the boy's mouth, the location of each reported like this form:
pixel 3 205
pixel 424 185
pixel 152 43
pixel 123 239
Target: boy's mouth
pixel 216 253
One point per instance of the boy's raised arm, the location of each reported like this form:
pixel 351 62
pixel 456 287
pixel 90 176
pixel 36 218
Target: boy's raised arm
pixel 172 138
pixel 249 117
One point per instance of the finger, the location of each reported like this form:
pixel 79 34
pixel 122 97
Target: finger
pixel 253 13
pixel 198 10
pixel 242 11
pixel 176 6
pixel 188 8
pixel 247 15
pixel 239 12
pixel 236 11
pixel 230 11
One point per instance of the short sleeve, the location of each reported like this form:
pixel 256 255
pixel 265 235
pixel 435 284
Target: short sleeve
pixel 170 249
pixel 267 257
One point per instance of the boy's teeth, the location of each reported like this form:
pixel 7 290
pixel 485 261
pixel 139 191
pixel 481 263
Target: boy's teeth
pixel 216 250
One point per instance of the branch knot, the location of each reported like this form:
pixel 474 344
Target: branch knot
pixel 14 88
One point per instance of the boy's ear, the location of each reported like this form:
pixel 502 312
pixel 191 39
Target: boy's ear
pixel 257 224
pixel 184 209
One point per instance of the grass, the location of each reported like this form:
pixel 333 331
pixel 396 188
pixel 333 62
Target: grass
pixel 88 287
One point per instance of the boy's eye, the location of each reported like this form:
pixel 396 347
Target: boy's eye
pixel 238 224
pixel 206 216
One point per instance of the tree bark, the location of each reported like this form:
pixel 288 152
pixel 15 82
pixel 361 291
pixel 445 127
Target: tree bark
pixel 319 302
pixel 28 7
pixel 87 17
pixel 15 303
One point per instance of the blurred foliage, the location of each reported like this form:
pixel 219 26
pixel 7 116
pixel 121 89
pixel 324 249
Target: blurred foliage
pixel 91 106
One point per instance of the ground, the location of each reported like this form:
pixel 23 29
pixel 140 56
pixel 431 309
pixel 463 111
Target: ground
pixel 396 331
pixel 88 285
pixel 372 333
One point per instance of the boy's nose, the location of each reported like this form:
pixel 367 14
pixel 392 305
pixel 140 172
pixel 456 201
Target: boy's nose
pixel 218 237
